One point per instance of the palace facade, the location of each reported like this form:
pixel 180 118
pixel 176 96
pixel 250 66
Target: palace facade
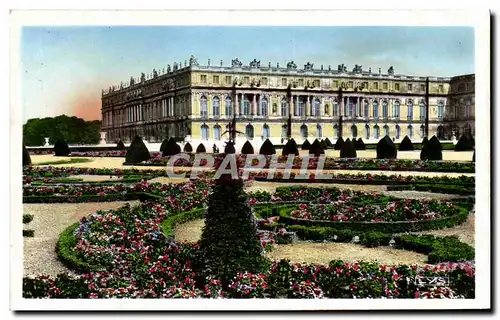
pixel 198 102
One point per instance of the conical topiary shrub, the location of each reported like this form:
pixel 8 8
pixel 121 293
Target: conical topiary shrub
pixel 464 144
pixel 474 156
pixel 247 148
pixel 328 143
pixel 290 148
pixel 433 149
pixel 26 157
pixel 423 153
pixel 406 145
pixel 201 148
pixel 360 145
pixel 386 149
pixel 339 143
pixel 267 148
pixel 348 149
pixel 316 149
pixel 164 144
pixel 188 148
pixel 61 149
pixel 229 148
pixel 137 152
pixel 323 144
pixel 170 148
pixel 120 145
pixel 306 145
pixel 229 241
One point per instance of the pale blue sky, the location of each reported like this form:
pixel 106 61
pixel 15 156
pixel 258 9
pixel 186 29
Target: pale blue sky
pixel 65 68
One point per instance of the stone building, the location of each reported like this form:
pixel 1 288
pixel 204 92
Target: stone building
pixel 198 102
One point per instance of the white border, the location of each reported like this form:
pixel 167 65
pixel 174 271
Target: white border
pixel 478 19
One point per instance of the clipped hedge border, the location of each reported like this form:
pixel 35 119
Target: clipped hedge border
pixel 355 181
pixel 28 233
pixel 168 225
pixel 446 189
pixel 141 196
pixel 27 218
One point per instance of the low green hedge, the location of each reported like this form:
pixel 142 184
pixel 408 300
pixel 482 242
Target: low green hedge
pixel 168 225
pixel 27 218
pixel 28 233
pixel 446 189
pixel 142 196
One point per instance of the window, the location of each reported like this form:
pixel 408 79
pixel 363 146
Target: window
pixel 350 84
pixel 375 85
pixel 216 106
pixel 422 87
pixel 249 132
pixel 301 107
pixel 410 110
pixel 396 86
pixel 366 109
pixel 327 109
pixel 440 133
pixel 216 79
pixel 376 132
pixel 467 110
pixel 228 80
pixel 303 131
pixel 265 132
pixel 316 83
pixel 440 110
pixel 385 110
pixel 319 129
pixel 461 87
pixel 263 107
pixel 246 106
pixel 367 132
pixel 284 108
pixel 316 106
pixel 410 87
pixel 398 131
pixel 283 131
pixel 422 110
pixel 350 107
pixel 410 131
pixel 354 131
pixel 386 130
pixel 335 84
pixel 203 106
pixel 384 86
pixel 301 82
pixel 203 78
pixel 441 88
pixel 469 86
pixel 246 80
pixel 335 109
pixel 217 132
pixel 204 132
pixel 283 82
pixel 396 109
pixel 375 109
pixel 229 107
pixel 264 81
pixel 336 131
pixel 364 85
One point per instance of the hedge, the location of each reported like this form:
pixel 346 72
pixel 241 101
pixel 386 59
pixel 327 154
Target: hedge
pixel 446 189
pixel 27 218
pixel 28 233
pixel 141 196
pixel 168 225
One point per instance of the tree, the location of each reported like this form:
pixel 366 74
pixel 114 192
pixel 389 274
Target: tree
pixel 386 149
pixel 465 143
pixel 306 145
pixel 188 148
pixel 201 148
pixel 120 145
pixel 348 149
pixel 328 143
pixel 290 148
pixel 360 145
pixel 170 148
pixel 247 148
pixel 137 152
pixel 61 149
pixel 406 145
pixel 316 149
pixel 26 157
pixel 423 153
pixel 339 143
pixel 229 242
pixel 229 148
pixel 433 150
pixel 267 148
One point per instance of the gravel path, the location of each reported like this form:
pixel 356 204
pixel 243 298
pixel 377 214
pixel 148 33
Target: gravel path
pixel 49 221
pixel 90 178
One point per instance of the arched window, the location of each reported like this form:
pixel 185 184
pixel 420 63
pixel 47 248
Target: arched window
pixel 398 131
pixel 249 132
pixel 440 133
pixel 396 109
pixel 327 109
pixel 229 106
pixel 283 131
pixel 335 131
pixel 386 130
pixel 410 131
pixel 266 132
pixel 217 132
pixel 203 106
pixel 335 109
pixel 375 109
pixel 216 106
pixel 304 132
pixel 422 131
pixel 367 132
pixel 376 132
pixel 366 109
pixel 316 105
pixel 204 132
pixel 319 129
pixel 263 107
pixel 354 131
pixel 409 104
pixel 440 111
pixel 385 110
pixel 284 108
pixel 422 110
pixel 246 106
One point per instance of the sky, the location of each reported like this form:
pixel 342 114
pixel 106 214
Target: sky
pixel 65 68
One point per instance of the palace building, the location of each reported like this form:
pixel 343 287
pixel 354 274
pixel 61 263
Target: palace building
pixel 198 102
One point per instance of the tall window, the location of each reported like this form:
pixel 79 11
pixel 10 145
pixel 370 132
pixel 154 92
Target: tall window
pixel 319 129
pixel 354 131
pixel 410 131
pixel 422 131
pixel 284 108
pixel 375 109
pixel 376 132
pixel 398 131
pixel 335 131
pixel 217 132
pixel 386 130
pixel 249 132
pixel 367 109
pixel 316 105
pixel 422 110
pixel 367 132
pixel 440 110
pixel 467 110
pixel 229 107
pixel 358 108
pixel 410 110
pixel 263 107
pixel 385 110
pixel 303 131
pixel 283 131
pixel 204 132
pixel 335 109
pixel 351 107
pixel 203 107
pixel 246 106
pixel 216 106
pixel 396 109
pixel 265 132
pixel 301 108
pixel 440 133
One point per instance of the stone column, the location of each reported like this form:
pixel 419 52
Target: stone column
pixel 254 105
pixel 291 106
pixel 358 108
pixel 297 106
pixel 242 104
pixel 322 107
pixel 308 106
pixel 236 105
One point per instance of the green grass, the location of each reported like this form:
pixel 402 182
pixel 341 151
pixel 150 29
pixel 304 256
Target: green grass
pixel 72 160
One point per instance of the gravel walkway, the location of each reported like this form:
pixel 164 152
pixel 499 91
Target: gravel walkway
pixel 48 222
pixel 91 178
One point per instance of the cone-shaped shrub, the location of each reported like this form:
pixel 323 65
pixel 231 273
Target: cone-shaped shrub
pixel 188 148
pixel 323 144
pixel 433 149
pixel 137 152
pixel 267 148
pixel 328 143
pixel 164 144
pixel 61 149
pixel 386 149
pixel 306 145
pixel 290 148
pixel 360 145
pixel 170 148
pixel 339 143
pixel 464 144
pixel 26 157
pixel 406 145
pixel 423 153
pixel 474 156
pixel 348 149
pixel 247 148
pixel 229 148
pixel 229 242
pixel 316 149
pixel 120 145
pixel 201 148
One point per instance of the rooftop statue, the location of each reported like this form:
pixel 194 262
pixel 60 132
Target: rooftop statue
pixel 143 77
pixel 175 66
pixel 169 69
pixel 391 70
pixel 132 81
pixel 342 68
pixel 236 63
pixel 193 61
pixel 308 66
pixel 255 64
pixel 291 65
pixel 155 74
pixel 357 69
